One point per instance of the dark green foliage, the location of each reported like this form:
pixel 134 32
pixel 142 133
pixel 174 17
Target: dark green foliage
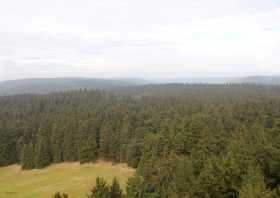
pixel 58 195
pixel 56 140
pixel 184 178
pixel 193 141
pixel 253 185
pixel 104 190
pixel 133 153
pixel 100 190
pixel 105 140
pixel 27 156
pixel 70 143
pixel 134 186
pixel 42 155
pixel 87 153
pixel 219 178
pixel 87 144
pixel 115 189
pixel 268 122
pixel 7 155
pixel 9 136
pixel 138 188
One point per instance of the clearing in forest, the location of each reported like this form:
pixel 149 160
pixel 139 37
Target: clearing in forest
pixel 73 178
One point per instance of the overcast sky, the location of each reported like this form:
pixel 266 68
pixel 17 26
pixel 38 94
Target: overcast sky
pixel 139 38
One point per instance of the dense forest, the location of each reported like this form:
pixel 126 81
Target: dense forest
pixel 193 141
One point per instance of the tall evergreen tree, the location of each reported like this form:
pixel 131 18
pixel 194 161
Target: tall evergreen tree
pixel 105 140
pixel 253 185
pixel 100 190
pixel 88 150
pixel 27 156
pixel 58 195
pixel 115 189
pixel 7 149
pixel 70 144
pixel 56 141
pixel 42 153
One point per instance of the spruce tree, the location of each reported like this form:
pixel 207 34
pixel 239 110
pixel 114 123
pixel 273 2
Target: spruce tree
pixel 7 149
pixel 58 195
pixel 105 140
pixel 115 190
pixel 100 190
pixel 27 157
pixel 253 185
pixel 88 151
pixel 87 148
pixel 56 140
pixel 70 143
pixel 133 153
pixel 42 150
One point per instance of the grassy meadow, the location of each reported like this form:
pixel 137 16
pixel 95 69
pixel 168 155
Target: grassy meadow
pixel 73 178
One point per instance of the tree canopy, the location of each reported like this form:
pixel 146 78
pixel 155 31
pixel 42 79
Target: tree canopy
pixel 198 141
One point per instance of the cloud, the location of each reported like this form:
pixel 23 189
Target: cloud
pixel 127 38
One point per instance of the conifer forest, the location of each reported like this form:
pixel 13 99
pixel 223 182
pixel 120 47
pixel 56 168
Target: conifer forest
pixel 184 140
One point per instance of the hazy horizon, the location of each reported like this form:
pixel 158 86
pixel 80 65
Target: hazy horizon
pixel 139 39
pixel 211 79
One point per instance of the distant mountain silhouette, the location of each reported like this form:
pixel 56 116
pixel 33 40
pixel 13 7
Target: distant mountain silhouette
pixel 262 80
pixel 47 85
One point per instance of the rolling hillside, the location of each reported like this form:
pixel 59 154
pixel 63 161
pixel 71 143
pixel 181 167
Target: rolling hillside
pixel 47 85
pixel 261 80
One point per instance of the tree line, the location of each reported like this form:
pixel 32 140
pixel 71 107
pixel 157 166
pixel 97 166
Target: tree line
pixel 197 141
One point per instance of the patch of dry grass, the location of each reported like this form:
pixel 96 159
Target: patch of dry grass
pixel 74 178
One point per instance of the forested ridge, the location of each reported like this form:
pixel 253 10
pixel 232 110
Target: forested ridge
pixel 48 85
pixel 194 141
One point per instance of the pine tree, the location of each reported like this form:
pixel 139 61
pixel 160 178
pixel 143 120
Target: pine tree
pixel 220 177
pixel 105 140
pixel 8 142
pixel 70 150
pixel 87 143
pixel 42 150
pixel 7 150
pixel 58 195
pixel 184 177
pixel 137 187
pixel 100 190
pixel 253 185
pixel 56 140
pixel 115 190
pixel 27 157
pixel 88 151
pixel 134 187
pixel 133 153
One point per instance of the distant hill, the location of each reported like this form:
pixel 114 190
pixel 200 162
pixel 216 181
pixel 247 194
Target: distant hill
pixel 261 80
pixel 47 85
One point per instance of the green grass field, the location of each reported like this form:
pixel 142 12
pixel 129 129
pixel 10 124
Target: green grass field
pixel 73 178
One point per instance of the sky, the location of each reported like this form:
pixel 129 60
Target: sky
pixel 139 39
